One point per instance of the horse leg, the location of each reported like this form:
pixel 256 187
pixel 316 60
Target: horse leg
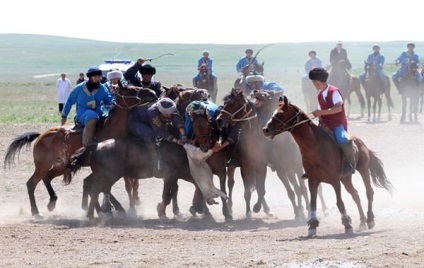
pixel 323 204
pixel 369 108
pixel 365 174
pixel 51 174
pixel 379 102
pixel 230 173
pixel 225 211
pixel 403 116
pixel 87 184
pixel 290 193
pixel 346 220
pixel 248 180
pixel 313 222
pixel 374 107
pixel 31 184
pixel 260 188
pixel 347 182
pixel 167 193
pixel 118 207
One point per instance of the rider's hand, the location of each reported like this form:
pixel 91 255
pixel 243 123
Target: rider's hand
pixel 140 60
pixel 63 121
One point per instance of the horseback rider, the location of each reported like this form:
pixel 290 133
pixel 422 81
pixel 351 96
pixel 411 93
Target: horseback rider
pixel 331 114
pixel 247 63
pixel 378 59
pixel 313 62
pixel 205 105
pixel 337 54
pixel 257 81
pixel 156 123
pixel 205 60
pixel 145 78
pixel 404 59
pixel 113 76
pixel 88 97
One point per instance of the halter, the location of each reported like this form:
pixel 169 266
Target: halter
pixel 245 114
pixel 296 121
pixel 127 106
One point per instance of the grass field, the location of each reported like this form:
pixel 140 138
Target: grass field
pixel 29 99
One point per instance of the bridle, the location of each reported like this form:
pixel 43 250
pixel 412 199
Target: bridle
pixel 245 113
pixel 295 121
pixel 127 106
pixel 199 115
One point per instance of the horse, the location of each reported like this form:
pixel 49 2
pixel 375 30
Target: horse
pixel 205 81
pixel 249 152
pixel 128 157
pixel 284 155
pixel 374 88
pixel 53 147
pixel 347 84
pixel 206 134
pixel 240 82
pixel 183 96
pixel 409 88
pixel 317 146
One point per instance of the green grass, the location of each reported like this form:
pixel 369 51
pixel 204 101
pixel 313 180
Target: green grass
pixel 27 99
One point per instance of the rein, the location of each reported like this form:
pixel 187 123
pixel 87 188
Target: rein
pixel 127 106
pixel 297 122
pixel 245 115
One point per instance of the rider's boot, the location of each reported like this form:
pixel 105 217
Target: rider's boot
pixel 349 165
pixel 88 133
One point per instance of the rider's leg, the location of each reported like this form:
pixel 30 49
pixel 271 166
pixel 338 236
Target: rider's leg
pixel 88 133
pixel 395 78
pixel 195 79
pixel 346 145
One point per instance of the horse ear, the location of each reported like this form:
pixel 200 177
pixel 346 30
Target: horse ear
pixel 166 88
pixel 281 100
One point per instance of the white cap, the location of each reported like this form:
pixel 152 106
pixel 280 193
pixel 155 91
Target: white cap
pixel 114 74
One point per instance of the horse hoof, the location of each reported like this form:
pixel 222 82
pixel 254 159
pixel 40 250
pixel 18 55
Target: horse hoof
pixel 38 217
pixel 270 215
pixel 349 231
pixel 249 216
pixel 312 233
pixel 164 219
pixel 180 217
pixel 137 202
pixel 257 207
pixel 51 205
pixel 192 211
pixel 362 227
pixel 371 224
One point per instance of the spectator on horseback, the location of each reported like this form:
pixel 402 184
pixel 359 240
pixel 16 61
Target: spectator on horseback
pixel 331 114
pixel 247 63
pixel 158 122
pixel 337 54
pixel 378 59
pixel 113 76
pixel 141 75
pixel 404 59
pixel 205 60
pixel 257 81
pixel 88 97
pixel 313 62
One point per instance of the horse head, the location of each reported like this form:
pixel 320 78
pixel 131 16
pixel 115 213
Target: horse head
pixel 259 68
pixel 128 97
pixel 204 72
pixel 411 68
pixel 370 69
pixel 236 108
pixel 202 128
pixel 285 118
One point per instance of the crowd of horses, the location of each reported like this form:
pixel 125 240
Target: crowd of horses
pixel 300 146
pixel 375 89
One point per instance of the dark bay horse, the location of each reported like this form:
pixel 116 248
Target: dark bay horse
pixel 183 96
pixel 317 148
pixel 410 89
pixel 53 147
pixel 374 88
pixel 347 84
pixel 240 82
pixel 115 158
pixel 239 113
pixel 205 81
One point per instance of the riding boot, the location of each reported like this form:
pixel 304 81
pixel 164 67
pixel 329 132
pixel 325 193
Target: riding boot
pixel 88 133
pixel 152 150
pixel 349 163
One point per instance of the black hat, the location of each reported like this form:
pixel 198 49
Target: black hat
pixel 93 71
pixel 147 69
pixel 410 44
pixel 249 50
pixel 319 74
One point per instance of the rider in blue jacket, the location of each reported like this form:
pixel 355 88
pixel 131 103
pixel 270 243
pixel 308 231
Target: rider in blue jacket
pixel 378 59
pixel 404 59
pixel 88 97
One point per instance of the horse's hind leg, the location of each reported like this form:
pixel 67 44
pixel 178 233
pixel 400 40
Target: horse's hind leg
pixel 86 188
pixel 51 174
pixel 346 220
pixel 365 174
pixel 403 116
pixel 31 184
pixel 290 193
pixel 230 173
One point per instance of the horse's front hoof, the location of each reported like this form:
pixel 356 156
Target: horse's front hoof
pixel 180 217
pixel 349 231
pixel 362 227
pixel 51 205
pixel 192 211
pixel 312 233
pixel 249 216
pixel 164 219
pixel 371 224
pixel 257 207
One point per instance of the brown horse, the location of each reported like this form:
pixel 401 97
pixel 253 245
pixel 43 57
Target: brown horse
pixel 239 113
pixel 410 89
pixel 374 88
pixel 53 148
pixel 206 82
pixel 183 96
pixel 317 148
pixel 283 155
pixel 347 84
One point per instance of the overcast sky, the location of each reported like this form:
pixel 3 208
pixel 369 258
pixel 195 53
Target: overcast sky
pixel 216 21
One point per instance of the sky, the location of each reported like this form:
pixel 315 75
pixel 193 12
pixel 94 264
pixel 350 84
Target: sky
pixel 216 21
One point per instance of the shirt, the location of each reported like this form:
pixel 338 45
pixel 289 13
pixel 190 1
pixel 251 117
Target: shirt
pixel 336 96
pixel 64 87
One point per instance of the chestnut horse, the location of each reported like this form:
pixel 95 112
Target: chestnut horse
pixel 53 148
pixel 317 147
pixel 374 88
pixel 347 84
pixel 239 113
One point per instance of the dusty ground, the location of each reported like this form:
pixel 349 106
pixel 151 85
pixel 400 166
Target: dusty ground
pixel 64 238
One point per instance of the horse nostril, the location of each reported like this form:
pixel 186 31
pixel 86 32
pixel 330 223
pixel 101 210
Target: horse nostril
pixel 265 130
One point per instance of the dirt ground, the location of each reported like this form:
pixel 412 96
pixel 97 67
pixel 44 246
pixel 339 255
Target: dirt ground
pixel 65 238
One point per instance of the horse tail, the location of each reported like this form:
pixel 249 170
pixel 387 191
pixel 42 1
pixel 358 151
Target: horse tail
pixel 17 144
pixel 378 175
pixel 79 159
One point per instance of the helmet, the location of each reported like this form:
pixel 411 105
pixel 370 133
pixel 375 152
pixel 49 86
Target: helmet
pixel 319 74
pixel 249 50
pixel 166 106
pixel 147 69
pixel 93 71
